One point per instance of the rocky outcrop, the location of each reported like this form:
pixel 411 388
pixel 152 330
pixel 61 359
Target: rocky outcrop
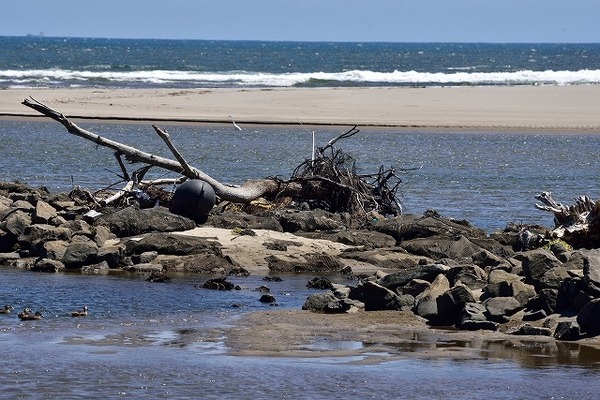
pixel 443 270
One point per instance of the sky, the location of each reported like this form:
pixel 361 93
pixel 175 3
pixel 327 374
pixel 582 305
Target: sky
pixel 505 21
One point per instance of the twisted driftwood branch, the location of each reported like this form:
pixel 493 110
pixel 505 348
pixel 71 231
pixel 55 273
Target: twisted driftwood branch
pixel 242 194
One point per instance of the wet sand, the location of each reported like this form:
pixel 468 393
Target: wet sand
pixel 516 108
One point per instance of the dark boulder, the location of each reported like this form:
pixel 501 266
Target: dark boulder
pixel 320 283
pixel 220 283
pixel 398 279
pixel 312 262
pixel 171 243
pixel 79 253
pixel 132 221
pixel 535 264
pixel 589 318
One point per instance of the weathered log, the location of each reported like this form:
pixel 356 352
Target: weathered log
pixel 577 224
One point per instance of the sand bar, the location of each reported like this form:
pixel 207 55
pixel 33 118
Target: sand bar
pixel 511 108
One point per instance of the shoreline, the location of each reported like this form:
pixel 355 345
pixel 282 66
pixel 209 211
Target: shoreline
pixel 471 108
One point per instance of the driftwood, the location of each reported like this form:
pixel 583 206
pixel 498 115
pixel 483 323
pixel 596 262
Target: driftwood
pixel 577 224
pixel 327 181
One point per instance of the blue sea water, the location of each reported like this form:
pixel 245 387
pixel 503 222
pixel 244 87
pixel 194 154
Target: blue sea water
pixel 147 63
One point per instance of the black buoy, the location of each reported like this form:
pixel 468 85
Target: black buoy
pixel 193 199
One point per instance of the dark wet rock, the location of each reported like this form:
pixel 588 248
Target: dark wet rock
pixel 320 283
pixel 145 257
pixel 426 304
pixel 132 221
pixel 408 227
pixel 272 279
pixel 472 325
pixel 547 300
pixel 472 276
pixel 376 297
pixel 111 254
pixel 309 221
pixel 157 277
pixel 171 243
pixel 220 283
pixel 398 279
pixel 267 298
pixel 329 302
pixel 567 330
pixel 589 318
pixel 414 287
pixel 591 271
pixel 232 220
pixel 567 293
pixel 8 242
pixel 263 289
pixel 236 271
pixel 308 263
pixel 207 262
pixel 527 329
pixel 452 302
pixel 80 253
pixel 535 264
pixel 534 315
pixel 500 308
pixel 47 265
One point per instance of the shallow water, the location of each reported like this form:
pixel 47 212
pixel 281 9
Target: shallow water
pixel 149 340
pixel 490 179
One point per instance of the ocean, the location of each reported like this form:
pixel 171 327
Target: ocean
pixel 34 61
pixel 145 340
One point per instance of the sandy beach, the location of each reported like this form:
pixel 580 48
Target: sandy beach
pixel 515 108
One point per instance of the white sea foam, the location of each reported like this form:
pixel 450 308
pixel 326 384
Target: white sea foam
pixel 60 77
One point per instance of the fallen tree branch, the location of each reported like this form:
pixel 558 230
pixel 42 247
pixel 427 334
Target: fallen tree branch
pixel 241 194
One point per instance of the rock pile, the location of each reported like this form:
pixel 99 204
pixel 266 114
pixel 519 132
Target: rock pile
pixel 445 271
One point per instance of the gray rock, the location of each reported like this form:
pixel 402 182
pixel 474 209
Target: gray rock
pixel 80 253
pixel 536 263
pixel 398 279
pixel 47 265
pixel 312 262
pixel 500 308
pixel 452 302
pixel 309 221
pixel 131 221
pixel 547 300
pixel 589 318
pixel 591 271
pixel 16 223
pixel 567 330
pixel 43 213
pixel 170 243
pixel 415 287
pixel 426 302
pixel 376 297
